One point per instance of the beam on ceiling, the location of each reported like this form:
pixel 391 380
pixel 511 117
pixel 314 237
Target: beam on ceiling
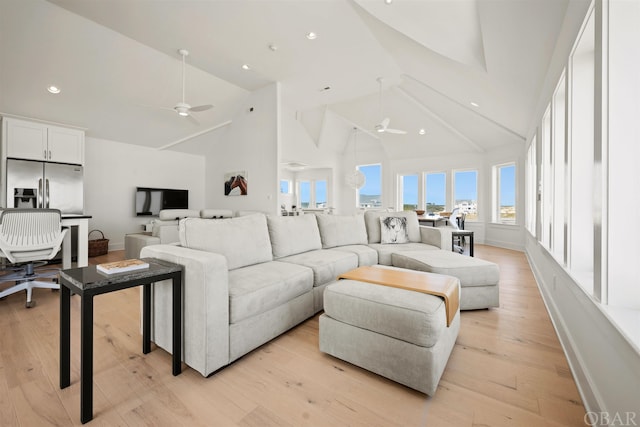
pixel 466 107
pixel 194 135
pixel 439 119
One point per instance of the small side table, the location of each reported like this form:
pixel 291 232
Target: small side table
pixel 87 282
pixel 462 234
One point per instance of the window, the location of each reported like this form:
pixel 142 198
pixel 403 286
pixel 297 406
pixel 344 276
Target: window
pixel 505 194
pixel 581 149
pixel 409 192
pixel 532 187
pixel 558 164
pixel 546 206
pixel 305 194
pixel 435 192
pixel 285 184
pixel 320 198
pixel 370 196
pixel 465 194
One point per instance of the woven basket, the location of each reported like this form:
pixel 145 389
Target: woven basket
pixel 98 246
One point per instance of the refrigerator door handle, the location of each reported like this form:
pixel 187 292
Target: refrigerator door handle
pixel 47 194
pixel 40 193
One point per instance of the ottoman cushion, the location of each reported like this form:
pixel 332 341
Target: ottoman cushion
pixel 470 271
pixel 413 317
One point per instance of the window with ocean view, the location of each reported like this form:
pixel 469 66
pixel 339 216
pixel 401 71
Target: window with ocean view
pixel 505 193
pixel 370 195
pixel 320 199
pixel 409 192
pixel 305 194
pixel 465 193
pixel 435 185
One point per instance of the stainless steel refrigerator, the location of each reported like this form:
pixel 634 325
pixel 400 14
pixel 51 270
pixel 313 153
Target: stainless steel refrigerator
pixel 34 184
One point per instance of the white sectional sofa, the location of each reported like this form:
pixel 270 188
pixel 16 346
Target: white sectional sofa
pixel 248 279
pixel 164 230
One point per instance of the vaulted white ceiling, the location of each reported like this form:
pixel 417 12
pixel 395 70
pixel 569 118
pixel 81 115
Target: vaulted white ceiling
pixel 117 63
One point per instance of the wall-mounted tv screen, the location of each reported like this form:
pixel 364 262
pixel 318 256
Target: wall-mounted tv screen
pixel 149 201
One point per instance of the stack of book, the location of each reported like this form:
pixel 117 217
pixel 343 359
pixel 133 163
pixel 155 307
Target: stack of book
pixel 122 266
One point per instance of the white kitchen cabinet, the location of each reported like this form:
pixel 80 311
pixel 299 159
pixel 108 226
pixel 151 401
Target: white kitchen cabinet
pixel 41 141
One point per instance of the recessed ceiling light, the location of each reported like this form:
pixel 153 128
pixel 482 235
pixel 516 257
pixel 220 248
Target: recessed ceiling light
pixel 246 67
pixel 388 1
pixel 53 89
pixel 312 36
pixel 422 131
pixel 475 104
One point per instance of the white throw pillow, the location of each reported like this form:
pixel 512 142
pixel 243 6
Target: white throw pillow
pixel 393 229
pixel 372 222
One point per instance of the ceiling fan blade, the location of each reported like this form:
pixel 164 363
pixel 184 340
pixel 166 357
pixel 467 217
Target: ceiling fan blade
pixel 201 108
pixel 396 131
pixel 193 120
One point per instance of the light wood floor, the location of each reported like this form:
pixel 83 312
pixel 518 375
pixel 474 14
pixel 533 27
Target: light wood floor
pixel 507 369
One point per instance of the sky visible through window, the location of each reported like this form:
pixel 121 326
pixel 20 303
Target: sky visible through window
pixel 370 195
pixel 508 185
pixel 321 194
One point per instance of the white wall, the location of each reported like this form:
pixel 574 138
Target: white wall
pixel 112 172
pixel 249 144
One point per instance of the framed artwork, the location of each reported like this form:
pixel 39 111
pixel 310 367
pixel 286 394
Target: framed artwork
pixel 235 183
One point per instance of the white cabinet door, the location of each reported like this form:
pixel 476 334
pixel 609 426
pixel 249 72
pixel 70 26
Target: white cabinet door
pixel 26 140
pixel 65 145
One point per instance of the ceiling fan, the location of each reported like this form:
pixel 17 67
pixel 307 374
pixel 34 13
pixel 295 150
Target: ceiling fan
pixel 383 126
pixel 182 108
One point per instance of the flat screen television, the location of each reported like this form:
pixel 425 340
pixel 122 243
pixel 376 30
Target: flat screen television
pixel 150 201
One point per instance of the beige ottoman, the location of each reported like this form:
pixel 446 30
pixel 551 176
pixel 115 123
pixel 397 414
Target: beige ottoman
pixel 478 278
pixel 398 334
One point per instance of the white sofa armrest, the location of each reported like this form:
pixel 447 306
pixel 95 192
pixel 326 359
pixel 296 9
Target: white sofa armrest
pixel 436 236
pixel 205 295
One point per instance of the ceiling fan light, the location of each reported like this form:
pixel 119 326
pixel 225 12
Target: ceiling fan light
pixel 183 113
pixel 53 89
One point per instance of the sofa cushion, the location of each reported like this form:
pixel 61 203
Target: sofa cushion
pixel 243 240
pixel 327 264
pixel 372 223
pixel 341 230
pixel 385 251
pixel 366 255
pixel 413 317
pixel 292 235
pixel 393 230
pixel 173 214
pixel 258 288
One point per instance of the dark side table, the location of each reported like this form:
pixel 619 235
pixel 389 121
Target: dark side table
pixel 462 234
pixel 88 282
